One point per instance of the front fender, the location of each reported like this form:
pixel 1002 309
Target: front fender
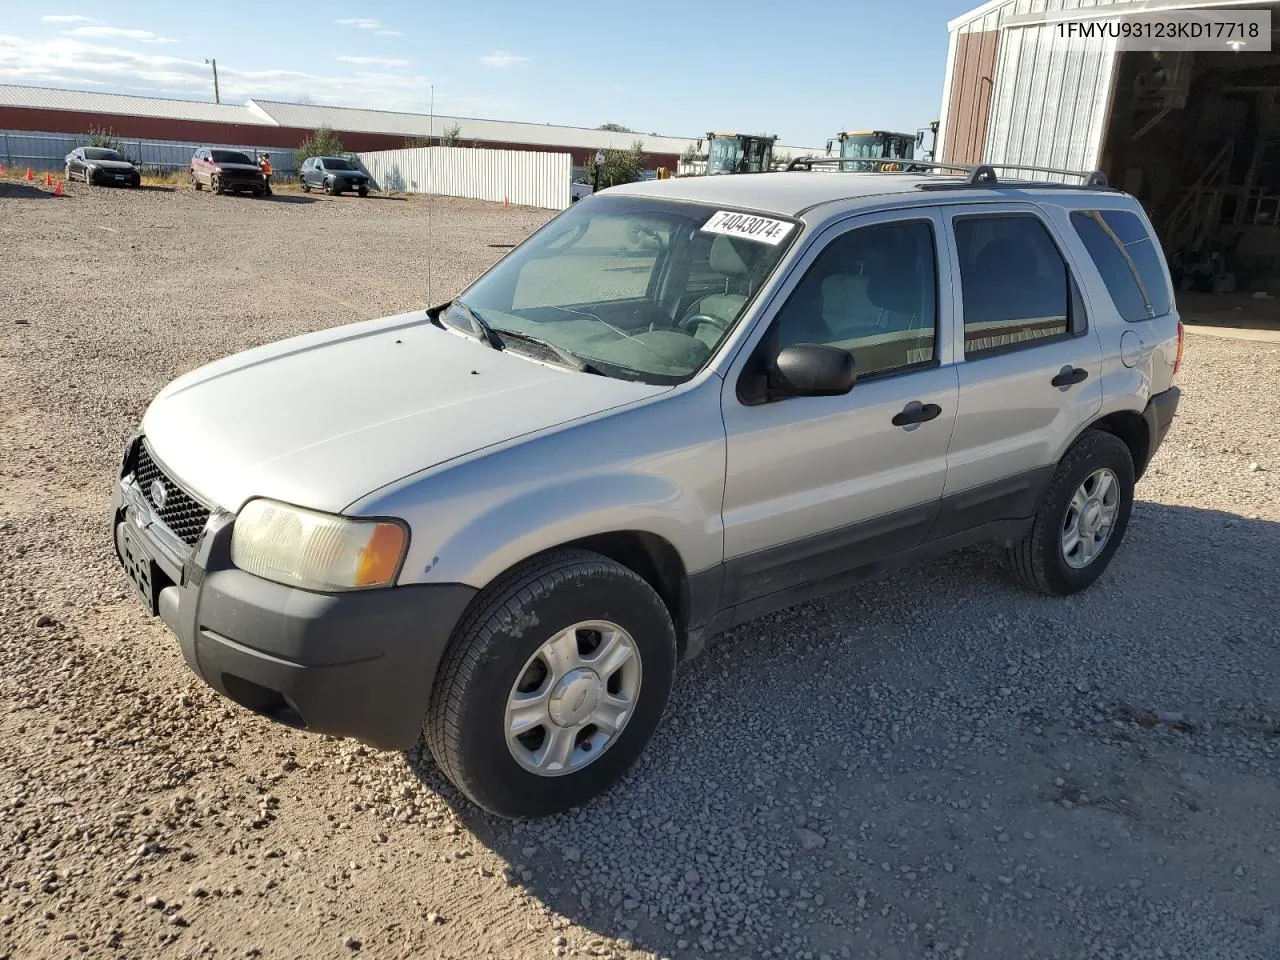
pixel 478 551
pixel 656 467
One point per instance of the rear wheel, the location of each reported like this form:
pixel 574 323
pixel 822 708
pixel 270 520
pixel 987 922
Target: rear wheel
pixel 195 182
pixel 1081 519
pixel 306 187
pixel 552 685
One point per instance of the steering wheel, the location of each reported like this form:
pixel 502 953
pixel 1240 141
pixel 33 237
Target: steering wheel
pixel 689 324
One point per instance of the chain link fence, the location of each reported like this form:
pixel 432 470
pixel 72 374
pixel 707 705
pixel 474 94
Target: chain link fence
pixel 20 149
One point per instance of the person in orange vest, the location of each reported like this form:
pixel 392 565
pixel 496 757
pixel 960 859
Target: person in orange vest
pixel 264 161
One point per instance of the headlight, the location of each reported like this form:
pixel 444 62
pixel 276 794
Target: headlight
pixel 316 551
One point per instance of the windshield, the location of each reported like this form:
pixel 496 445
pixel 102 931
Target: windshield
pixel 98 153
pixel 724 155
pixel 335 163
pixel 639 288
pixel 229 156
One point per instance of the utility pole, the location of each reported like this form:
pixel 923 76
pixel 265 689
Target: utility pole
pixel 217 97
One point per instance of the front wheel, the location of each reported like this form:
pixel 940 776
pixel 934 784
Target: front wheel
pixel 215 184
pixel 553 684
pixel 363 191
pixel 333 188
pixel 1081 519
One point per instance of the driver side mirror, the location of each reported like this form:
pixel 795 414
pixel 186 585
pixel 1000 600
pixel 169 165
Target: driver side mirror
pixel 812 370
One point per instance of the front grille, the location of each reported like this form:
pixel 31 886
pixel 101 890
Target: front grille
pixel 181 513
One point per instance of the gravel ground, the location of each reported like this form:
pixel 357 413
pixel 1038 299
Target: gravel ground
pixel 935 765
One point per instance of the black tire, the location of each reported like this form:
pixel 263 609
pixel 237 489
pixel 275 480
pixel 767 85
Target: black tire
pixel 489 649
pixel 363 191
pixel 195 182
pixel 216 185
pixel 306 187
pixel 333 188
pixel 1037 560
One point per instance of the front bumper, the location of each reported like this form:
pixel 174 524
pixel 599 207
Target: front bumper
pixel 1159 415
pixel 357 664
pixel 115 178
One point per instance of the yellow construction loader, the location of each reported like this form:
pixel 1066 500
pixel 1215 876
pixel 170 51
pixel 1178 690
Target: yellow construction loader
pixel 739 153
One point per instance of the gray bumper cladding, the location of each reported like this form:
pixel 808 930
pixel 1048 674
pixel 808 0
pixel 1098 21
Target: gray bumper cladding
pixel 357 664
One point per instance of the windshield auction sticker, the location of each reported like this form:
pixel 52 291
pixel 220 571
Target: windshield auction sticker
pixel 748 226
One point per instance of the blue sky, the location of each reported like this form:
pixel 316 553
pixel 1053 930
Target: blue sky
pixel 800 70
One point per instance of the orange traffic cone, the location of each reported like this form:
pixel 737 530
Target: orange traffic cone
pixel 57 188
pixel 30 175
pixel 48 179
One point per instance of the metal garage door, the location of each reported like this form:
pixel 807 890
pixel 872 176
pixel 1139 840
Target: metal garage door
pixel 1050 101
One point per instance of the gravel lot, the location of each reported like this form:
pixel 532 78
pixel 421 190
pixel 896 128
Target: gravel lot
pixel 935 765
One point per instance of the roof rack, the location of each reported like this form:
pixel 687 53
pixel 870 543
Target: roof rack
pixel 976 174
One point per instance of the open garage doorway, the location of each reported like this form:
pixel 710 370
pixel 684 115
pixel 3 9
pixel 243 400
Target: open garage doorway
pixel 1196 137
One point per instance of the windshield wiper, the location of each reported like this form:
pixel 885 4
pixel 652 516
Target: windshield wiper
pixel 566 357
pixel 479 326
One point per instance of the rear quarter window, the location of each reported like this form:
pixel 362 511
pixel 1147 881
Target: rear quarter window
pixel 1127 258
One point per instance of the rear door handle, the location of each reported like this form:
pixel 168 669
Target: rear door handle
pixel 916 412
pixel 1069 376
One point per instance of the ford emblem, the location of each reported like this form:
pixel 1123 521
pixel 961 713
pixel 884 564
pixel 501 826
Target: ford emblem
pixel 159 495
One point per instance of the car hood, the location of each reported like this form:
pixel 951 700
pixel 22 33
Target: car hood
pixel 327 418
pixel 120 165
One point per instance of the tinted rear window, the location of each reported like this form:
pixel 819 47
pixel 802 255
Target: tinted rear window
pixel 100 153
pixel 1128 261
pixel 229 156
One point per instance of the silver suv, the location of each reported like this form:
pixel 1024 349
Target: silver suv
pixel 500 523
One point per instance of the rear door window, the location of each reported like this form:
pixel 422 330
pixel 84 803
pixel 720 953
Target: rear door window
pixel 1015 285
pixel 1128 261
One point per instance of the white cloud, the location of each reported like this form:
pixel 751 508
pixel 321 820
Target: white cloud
pixel 374 61
pixel 75 64
pixel 364 23
pixel 67 18
pixel 146 36
pixel 500 58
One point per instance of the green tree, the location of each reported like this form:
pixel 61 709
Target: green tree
pixel 690 154
pixel 451 137
pixel 620 166
pixel 323 143
pixel 106 138
pixel 615 128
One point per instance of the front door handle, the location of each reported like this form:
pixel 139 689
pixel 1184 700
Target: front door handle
pixel 1069 376
pixel 916 412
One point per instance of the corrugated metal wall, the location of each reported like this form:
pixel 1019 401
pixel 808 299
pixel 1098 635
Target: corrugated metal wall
pixel 1050 101
pixel 46 151
pixel 520 176
pixel 970 104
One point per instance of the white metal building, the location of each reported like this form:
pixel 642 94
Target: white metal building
pixel 1195 135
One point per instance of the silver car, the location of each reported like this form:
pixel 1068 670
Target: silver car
pixel 500 524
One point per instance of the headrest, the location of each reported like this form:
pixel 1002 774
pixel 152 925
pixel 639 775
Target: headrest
pixel 728 259
pixel 895 286
pixel 1003 257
